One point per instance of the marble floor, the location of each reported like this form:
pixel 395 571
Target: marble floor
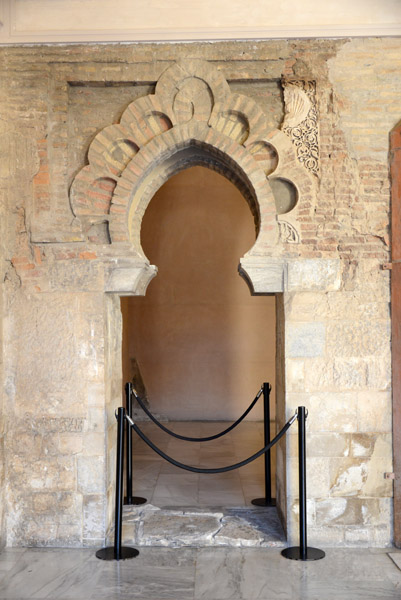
pixel 165 485
pixel 198 574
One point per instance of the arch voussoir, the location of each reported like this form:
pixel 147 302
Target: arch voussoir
pixel 191 119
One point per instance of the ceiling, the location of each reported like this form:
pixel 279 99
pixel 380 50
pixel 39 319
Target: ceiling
pixel 47 21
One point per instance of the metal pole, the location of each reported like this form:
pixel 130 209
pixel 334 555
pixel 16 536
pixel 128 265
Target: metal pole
pixel 129 498
pixel 268 480
pixel 267 500
pixel 118 517
pixel 128 408
pixel 118 552
pixel 302 481
pixel 302 552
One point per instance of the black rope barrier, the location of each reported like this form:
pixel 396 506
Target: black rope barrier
pixel 216 470
pixel 194 439
pixel 301 552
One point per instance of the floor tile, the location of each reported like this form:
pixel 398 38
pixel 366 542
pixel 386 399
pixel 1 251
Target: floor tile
pixel 199 574
pixel 171 485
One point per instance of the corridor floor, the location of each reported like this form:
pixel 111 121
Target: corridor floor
pixel 165 485
pixel 198 574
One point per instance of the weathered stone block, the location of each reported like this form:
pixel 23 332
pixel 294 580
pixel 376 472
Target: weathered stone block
pixel 318 481
pixel 70 443
pixel 348 476
pixel 359 536
pixel 374 411
pixel 376 485
pixel 328 411
pixel 295 374
pixel 93 517
pixel 359 303
pixel 238 533
pixel 93 444
pixel 91 474
pixel 355 512
pixel 314 274
pixel 319 375
pixel 328 444
pixel 266 275
pixel 78 275
pixel 310 512
pixel 358 338
pixel 305 339
pixel 306 306
pixel 371 444
pixel 379 373
pixel 325 536
pixel 49 502
pixel 177 528
pixel 49 473
pixel 360 477
pixel 350 373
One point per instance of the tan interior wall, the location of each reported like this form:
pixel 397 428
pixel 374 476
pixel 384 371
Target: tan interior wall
pixel 203 343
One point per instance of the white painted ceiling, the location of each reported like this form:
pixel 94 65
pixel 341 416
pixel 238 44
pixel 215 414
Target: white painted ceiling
pixel 43 21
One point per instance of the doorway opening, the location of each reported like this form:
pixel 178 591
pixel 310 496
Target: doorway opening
pixel 200 342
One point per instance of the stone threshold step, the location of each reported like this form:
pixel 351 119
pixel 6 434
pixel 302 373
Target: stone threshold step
pixel 148 525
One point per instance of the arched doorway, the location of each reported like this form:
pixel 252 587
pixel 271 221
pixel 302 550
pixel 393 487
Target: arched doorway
pixel 203 344
pixel 192 119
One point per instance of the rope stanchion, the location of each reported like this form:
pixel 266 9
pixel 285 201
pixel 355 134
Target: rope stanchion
pixel 194 439
pixel 267 500
pixel 118 551
pixel 205 470
pixel 130 499
pixel 302 552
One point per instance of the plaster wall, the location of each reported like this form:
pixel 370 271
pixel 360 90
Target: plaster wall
pixel 204 345
pixel 60 368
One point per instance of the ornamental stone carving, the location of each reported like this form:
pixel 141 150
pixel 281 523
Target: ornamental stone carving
pixel 191 119
pixel 300 121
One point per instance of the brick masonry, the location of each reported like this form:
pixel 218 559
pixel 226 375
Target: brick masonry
pixel 62 276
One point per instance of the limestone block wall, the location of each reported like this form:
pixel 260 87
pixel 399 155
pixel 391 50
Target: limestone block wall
pixel 72 252
pixel 342 374
pixel 3 254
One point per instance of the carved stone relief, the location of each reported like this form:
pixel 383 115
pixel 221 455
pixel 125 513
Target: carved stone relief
pixel 301 123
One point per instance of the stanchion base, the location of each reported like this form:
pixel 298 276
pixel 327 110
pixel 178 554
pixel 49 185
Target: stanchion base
pixel 133 500
pixel 264 502
pixel 294 553
pixel 109 553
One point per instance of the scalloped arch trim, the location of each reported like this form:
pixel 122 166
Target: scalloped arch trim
pixel 192 119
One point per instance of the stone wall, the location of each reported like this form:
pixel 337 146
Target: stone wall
pixel 61 367
pixel 3 257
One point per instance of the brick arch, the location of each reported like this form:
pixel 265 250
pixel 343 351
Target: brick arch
pixel 177 150
pixel 192 119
